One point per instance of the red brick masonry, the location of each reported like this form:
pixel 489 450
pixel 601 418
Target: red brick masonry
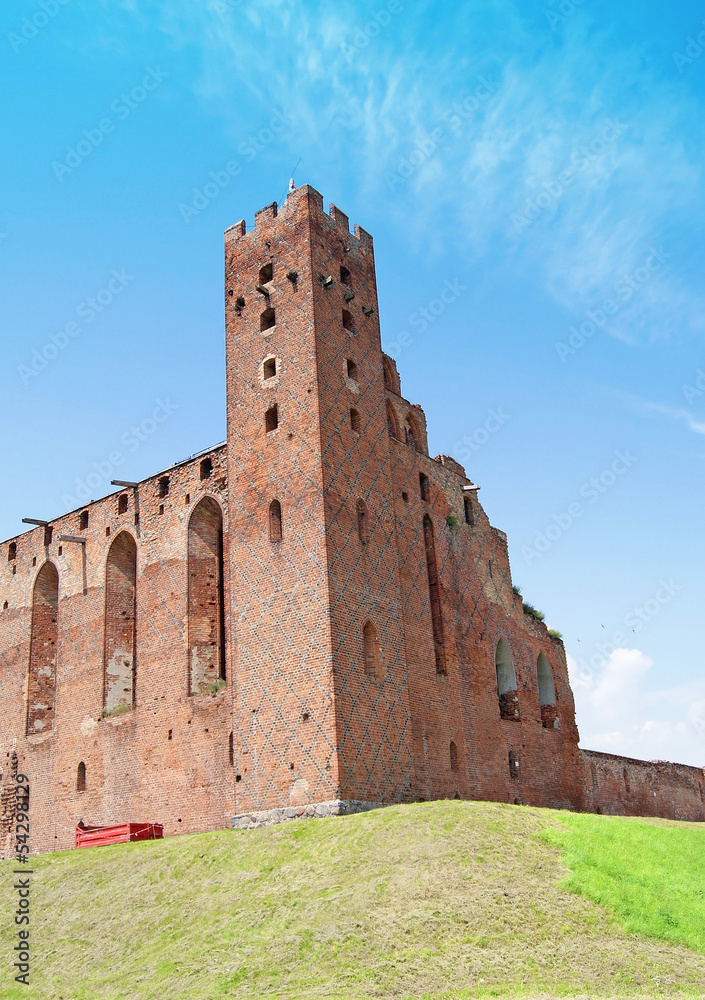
pixel 315 612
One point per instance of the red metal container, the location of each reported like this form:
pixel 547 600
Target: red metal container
pixel 98 836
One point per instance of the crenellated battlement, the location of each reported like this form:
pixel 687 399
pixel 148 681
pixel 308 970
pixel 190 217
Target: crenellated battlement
pixel 302 199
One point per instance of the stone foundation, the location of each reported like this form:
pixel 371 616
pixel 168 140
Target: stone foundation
pixel 315 810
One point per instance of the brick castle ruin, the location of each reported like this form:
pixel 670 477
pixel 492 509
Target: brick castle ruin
pixel 314 617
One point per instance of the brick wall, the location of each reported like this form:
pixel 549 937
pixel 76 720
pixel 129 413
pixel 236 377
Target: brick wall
pixel 623 786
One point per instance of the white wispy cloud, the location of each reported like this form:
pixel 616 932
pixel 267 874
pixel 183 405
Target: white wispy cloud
pixel 617 713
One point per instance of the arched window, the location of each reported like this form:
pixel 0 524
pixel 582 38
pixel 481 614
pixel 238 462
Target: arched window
pixel 206 607
pixel 391 376
pixel 423 486
pixel 413 434
pixel 434 595
pixel 370 649
pixel 269 368
pixel 275 521
pixel 267 320
pixel 43 650
pixel 506 682
pixel 547 692
pixel 348 321
pixel 363 522
pixel 453 756
pixel 83 520
pixel 120 625
pixel 351 368
pixel 392 422
pixel 81 777
pixel 271 419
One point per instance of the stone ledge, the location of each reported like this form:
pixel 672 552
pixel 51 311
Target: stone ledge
pixel 314 810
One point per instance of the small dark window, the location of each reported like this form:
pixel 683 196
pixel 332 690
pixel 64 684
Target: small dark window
pixel 345 275
pixel 355 421
pixel 363 522
pixel 405 497
pixel 83 520
pixel 5 606
pixel 12 551
pixel 206 471
pixel 187 498
pixel 467 504
pixel 347 321
pixel 514 765
pixel 34 560
pixel 267 320
pixel 370 650
pixel 271 419
pixel 61 550
pixel 169 734
pixel 453 756
pixel 107 532
pixel 81 777
pixel 48 534
pixel 266 273
pixel 270 368
pixel 352 369
pixel 275 521
pixel 122 503
pixel 164 486
pixel 161 508
pixel 231 750
pixel 423 486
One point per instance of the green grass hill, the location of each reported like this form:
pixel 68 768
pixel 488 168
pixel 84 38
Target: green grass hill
pixel 434 900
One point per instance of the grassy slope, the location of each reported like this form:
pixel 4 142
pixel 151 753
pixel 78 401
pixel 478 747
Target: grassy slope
pixel 441 899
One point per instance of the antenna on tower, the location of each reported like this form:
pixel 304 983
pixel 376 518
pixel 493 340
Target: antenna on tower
pixel 292 185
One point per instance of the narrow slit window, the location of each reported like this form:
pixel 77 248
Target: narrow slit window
pixel 270 368
pixel 348 321
pixel 363 522
pixel 345 276
pixel 122 503
pixel 434 593
pixel 351 369
pixel 81 777
pixel 164 486
pixel 392 423
pixel 467 504
pixel 506 682
pixel 206 469
pixel 267 320
pixel 271 419
pixel 275 521
pixel 453 756
pixel 423 486
pixel 370 648
pixel 355 421
pixel 48 534
pixel 266 273
pixel 83 520
pixel 12 551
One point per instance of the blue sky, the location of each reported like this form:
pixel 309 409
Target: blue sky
pixel 543 160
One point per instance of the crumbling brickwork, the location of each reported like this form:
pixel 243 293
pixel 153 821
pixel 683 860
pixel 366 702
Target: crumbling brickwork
pixel 316 612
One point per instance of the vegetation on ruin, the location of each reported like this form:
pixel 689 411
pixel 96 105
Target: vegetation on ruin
pixel 555 634
pixel 434 900
pixel 533 612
